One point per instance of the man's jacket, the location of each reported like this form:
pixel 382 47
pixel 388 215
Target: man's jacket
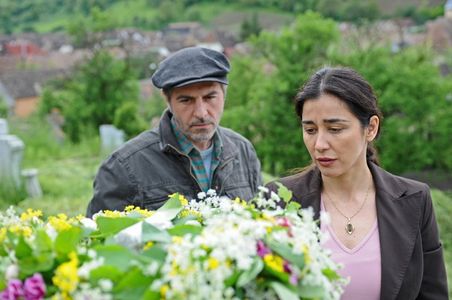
pixel 151 166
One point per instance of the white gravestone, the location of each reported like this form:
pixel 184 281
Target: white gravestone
pixel 11 153
pixel 3 127
pixel 111 138
pixel 32 185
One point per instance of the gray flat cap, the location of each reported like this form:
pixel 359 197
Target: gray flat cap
pixel 191 65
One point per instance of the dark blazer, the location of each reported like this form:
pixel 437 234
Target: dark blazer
pixel 412 264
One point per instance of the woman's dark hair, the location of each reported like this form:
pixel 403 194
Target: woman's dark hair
pixel 350 87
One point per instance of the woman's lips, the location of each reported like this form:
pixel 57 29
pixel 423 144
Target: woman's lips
pixel 325 162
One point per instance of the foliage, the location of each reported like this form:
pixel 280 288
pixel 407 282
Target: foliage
pixel 172 253
pixel 351 10
pixel 127 118
pixel 99 87
pixel 250 27
pixel 420 14
pixel 86 31
pixel 263 85
pixel 412 96
pixel 3 108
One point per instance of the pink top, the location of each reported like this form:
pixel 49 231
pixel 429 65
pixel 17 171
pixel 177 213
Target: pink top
pixel 362 264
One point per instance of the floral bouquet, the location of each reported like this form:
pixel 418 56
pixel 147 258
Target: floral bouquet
pixel 206 248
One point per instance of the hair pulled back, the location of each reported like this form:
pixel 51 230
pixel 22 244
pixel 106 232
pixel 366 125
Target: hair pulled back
pixel 351 88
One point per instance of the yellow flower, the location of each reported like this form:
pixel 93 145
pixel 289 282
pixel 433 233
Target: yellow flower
pixel 274 262
pixel 163 290
pixel 30 214
pixel 66 277
pixel 212 263
pixel 190 212
pixel 60 222
pixel 112 214
pixel 2 234
pixel 21 230
pixel 177 240
pixel 307 257
pixel 148 245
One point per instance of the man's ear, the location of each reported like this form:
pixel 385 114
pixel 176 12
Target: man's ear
pixel 167 100
pixel 372 128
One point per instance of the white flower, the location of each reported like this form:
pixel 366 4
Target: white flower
pixel 325 218
pixel 105 284
pixel 12 272
pixel 89 224
pixel 131 236
pixel 263 189
pixel 87 267
pixel 201 195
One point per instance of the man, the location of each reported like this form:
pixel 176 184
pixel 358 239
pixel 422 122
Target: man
pixel 188 152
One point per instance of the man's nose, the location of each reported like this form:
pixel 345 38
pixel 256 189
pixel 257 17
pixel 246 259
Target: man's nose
pixel 200 110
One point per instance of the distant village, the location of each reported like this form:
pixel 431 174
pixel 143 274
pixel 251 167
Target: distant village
pixel 29 60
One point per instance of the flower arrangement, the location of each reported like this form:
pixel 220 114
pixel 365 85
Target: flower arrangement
pixel 206 248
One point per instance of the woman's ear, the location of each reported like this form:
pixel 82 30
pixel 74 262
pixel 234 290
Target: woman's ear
pixel 372 128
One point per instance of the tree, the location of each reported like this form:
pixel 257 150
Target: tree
pixel 97 90
pixel 264 84
pixel 250 27
pixel 412 96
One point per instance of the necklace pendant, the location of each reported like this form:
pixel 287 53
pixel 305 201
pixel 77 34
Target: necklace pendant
pixel 349 228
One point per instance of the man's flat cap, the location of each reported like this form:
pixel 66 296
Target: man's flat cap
pixel 191 65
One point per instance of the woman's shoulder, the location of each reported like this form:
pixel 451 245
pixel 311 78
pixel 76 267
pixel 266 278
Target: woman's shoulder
pixel 301 182
pixel 397 182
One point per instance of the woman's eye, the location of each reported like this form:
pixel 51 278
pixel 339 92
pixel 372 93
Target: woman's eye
pixel 335 130
pixel 309 130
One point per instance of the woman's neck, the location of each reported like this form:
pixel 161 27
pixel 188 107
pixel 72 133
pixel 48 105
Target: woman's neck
pixel 349 184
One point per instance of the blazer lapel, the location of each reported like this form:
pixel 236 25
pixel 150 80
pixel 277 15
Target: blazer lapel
pixel 398 222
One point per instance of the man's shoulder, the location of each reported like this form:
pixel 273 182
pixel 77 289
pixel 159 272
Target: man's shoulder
pixel 149 140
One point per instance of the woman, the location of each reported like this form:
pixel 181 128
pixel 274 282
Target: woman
pixel 383 227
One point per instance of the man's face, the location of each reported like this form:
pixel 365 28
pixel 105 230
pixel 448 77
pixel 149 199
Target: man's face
pixel 197 109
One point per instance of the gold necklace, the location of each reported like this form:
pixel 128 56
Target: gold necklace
pixel 349 228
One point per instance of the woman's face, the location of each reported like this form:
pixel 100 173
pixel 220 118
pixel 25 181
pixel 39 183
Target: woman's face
pixel 334 137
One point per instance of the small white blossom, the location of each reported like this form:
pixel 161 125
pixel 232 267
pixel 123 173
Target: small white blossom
pixel 12 272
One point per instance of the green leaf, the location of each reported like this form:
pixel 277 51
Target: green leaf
pixel 152 233
pixel 286 252
pixel 283 291
pixel 133 285
pixel 105 272
pixel 330 274
pixel 168 211
pixel 111 226
pixel 183 229
pixel 23 250
pixel 43 242
pixel 310 291
pixel 293 207
pixel 67 241
pixel 151 295
pixel 284 192
pixel 115 255
pixel 251 273
pixel 156 253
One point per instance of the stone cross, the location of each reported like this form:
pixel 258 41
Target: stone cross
pixel 111 138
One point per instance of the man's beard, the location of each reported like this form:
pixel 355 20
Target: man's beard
pixel 199 135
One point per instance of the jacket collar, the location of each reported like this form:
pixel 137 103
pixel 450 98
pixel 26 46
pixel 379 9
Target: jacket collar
pixel 398 214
